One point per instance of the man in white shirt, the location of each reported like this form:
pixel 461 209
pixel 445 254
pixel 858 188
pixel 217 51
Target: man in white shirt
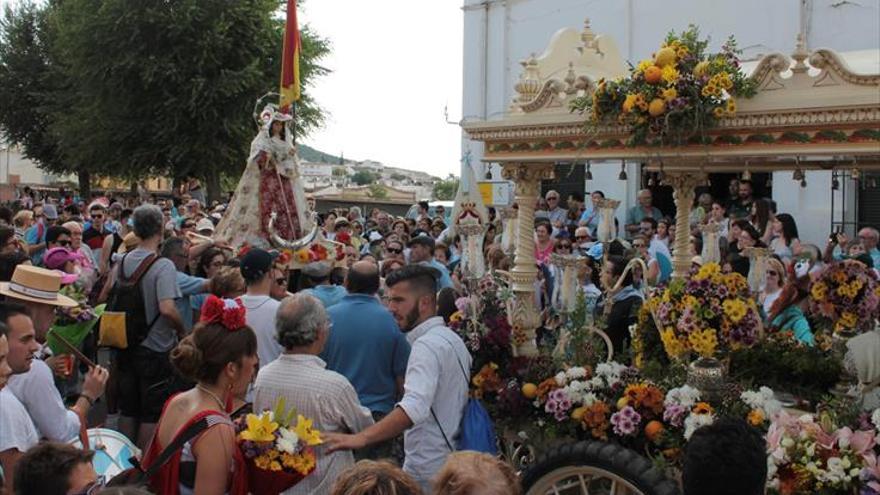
pixel 257 270
pixel 33 384
pixel 17 348
pixel 435 389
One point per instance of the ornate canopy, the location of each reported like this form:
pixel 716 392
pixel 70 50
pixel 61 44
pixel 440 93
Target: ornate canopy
pixel 816 110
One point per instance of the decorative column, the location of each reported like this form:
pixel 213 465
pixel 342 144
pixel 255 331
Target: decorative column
pixel 566 285
pixel 522 314
pixel 711 250
pixel 605 232
pixel 683 184
pixel 509 229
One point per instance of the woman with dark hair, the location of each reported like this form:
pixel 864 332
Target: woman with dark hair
pixel 761 217
pixel 446 303
pixel 221 357
pixel 8 243
pixel 543 241
pixel 748 237
pixel 786 314
pixel 210 261
pixel 625 302
pixel 785 242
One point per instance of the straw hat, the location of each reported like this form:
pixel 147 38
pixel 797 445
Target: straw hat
pixel 129 243
pixel 38 285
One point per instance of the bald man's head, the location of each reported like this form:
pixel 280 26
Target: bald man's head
pixel 363 278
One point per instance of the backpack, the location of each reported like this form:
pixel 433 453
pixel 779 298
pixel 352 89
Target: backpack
pixel 124 322
pixel 476 431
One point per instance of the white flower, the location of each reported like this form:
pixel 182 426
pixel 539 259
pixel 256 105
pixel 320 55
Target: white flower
pixel 589 399
pixel 596 382
pixel 685 396
pixel 560 378
pixel 288 441
pixel 576 372
pixel 875 418
pixel 695 421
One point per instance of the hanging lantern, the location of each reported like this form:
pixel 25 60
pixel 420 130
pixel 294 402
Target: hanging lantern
pixel 622 175
pixel 589 174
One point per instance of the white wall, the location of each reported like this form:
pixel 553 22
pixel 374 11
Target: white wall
pixel 500 33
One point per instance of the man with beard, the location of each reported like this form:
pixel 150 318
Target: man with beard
pixel 436 384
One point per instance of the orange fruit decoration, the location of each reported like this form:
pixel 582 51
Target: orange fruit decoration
pixel 664 57
pixel 529 390
pixel 653 74
pixel 656 107
pixel 653 430
pixel 578 413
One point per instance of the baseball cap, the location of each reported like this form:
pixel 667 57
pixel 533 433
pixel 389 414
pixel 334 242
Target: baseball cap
pixel 204 224
pixel 256 263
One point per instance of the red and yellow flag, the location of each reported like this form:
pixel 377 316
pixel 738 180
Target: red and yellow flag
pixel 290 88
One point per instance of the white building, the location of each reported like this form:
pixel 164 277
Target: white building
pixel 498 34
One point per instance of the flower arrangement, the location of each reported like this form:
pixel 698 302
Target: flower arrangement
pixel 846 296
pixel 279 451
pixel 810 455
pixel 317 251
pixel 708 313
pixel 681 90
pixel 73 323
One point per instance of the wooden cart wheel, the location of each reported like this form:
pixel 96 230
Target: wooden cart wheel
pixel 595 468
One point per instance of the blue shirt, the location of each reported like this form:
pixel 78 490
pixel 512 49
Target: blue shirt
pixel 328 294
pixel 792 319
pixel 189 286
pixel 366 346
pixel 445 280
pixel 36 234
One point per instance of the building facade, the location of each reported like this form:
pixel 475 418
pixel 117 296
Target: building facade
pixel 499 34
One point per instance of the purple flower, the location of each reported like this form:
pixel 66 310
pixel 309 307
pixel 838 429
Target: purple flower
pixel 674 414
pixel 551 406
pixel 560 415
pixel 626 421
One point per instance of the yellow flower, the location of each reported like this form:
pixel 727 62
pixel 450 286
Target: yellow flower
pixel 702 408
pixel 704 342
pixel 731 106
pixel 681 52
pixel 708 90
pixel 701 68
pixel 718 112
pixel 629 103
pixel 670 94
pixel 839 277
pixel 644 64
pixel 673 346
pixel 456 317
pixel 274 466
pixel 690 301
pixel 756 417
pixel 848 319
pixel 262 461
pixel 707 271
pixel 734 309
pixel 305 432
pixel 259 428
pixel 302 256
pixel 669 74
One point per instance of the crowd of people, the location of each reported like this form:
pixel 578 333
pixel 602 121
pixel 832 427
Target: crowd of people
pixel 361 346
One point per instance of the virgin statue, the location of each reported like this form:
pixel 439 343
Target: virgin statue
pixel 270 184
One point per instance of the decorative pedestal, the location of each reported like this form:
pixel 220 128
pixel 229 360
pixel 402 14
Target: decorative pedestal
pixel 683 184
pixel 521 312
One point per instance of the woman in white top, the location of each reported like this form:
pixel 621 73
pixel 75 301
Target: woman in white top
pixel 775 279
pixel 785 243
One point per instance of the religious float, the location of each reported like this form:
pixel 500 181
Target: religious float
pixel 571 416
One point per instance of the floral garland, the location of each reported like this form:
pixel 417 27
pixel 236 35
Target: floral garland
pixel 681 90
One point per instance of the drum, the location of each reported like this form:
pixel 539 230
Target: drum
pixel 112 451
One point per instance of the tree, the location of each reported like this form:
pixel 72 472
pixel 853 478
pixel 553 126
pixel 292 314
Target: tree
pixel 166 88
pixel 377 191
pixel 397 176
pixel 362 177
pixel 338 172
pixel 445 189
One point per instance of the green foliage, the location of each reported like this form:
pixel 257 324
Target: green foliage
pixel 377 191
pixel 364 177
pixel 444 190
pixel 398 176
pixel 148 88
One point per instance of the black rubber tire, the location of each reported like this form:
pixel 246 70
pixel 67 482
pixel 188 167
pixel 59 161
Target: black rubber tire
pixel 623 462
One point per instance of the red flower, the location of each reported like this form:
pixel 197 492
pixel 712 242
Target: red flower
pixel 243 250
pixel 344 238
pixel 283 258
pixel 227 312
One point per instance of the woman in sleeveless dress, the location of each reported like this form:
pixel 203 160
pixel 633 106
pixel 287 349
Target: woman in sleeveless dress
pixel 270 184
pixel 221 357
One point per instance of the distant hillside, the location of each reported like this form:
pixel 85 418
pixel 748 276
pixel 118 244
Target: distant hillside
pixel 309 154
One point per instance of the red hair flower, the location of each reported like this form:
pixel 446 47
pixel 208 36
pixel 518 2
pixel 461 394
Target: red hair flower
pixel 228 312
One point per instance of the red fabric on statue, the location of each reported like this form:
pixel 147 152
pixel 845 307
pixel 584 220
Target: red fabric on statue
pixel 276 193
pixel 167 480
